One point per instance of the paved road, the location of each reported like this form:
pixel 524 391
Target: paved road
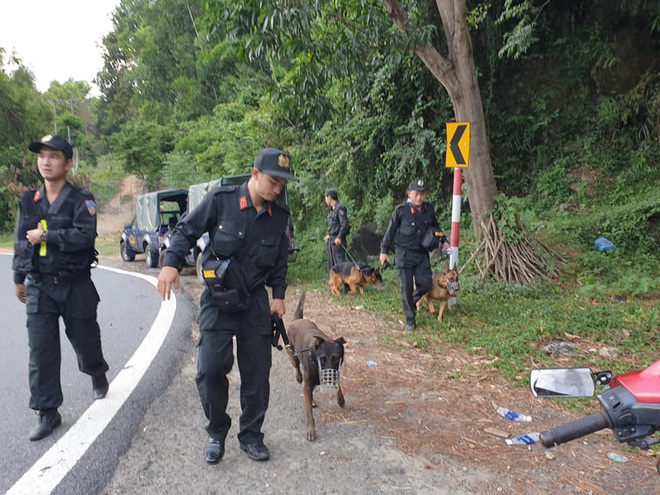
pixel 144 343
pixel 350 456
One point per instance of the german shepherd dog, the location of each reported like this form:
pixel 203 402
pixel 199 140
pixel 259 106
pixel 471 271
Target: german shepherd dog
pixel 354 275
pixel 316 358
pixel 445 285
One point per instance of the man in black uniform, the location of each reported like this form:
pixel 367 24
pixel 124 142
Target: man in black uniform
pixel 247 250
pixel 338 227
pixel 408 224
pixel 53 254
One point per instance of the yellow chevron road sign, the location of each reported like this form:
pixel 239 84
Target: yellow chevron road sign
pixel 458 144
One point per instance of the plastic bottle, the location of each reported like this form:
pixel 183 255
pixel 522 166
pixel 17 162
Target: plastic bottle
pixel 526 439
pixel 513 415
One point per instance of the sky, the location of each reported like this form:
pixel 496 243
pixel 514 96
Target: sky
pixel 57 40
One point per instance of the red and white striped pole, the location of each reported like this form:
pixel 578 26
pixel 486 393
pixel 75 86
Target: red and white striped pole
pixel 455 223
pixel 458 154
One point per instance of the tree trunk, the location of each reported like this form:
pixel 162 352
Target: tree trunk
pixel 457 73
pixel 515 261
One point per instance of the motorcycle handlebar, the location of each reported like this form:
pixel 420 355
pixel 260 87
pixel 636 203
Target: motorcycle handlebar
pixel 575 429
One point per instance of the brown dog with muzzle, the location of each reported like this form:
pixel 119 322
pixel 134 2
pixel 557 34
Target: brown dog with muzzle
pixel 445 285
pixel 316 358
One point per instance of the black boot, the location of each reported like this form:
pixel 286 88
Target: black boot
pixel 256 451
pixel 48 421
pixel 214 450
pixel 100 386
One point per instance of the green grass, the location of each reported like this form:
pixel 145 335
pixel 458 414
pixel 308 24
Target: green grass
pixel 106 246
pixel 7 240
pixel 511 325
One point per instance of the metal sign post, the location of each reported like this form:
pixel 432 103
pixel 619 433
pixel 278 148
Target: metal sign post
pixel 458 156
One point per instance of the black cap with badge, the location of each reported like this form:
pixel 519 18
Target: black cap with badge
pixel 55 142
pixel 419 185
pixel 274 162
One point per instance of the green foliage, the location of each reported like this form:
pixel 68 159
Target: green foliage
pixel 521 37
pixel 630 224
pixel 310 266
pixel 141 146
pixel 24 117
pixel 105 181
pixel 612 274
pixel 516 323
pixel 552 186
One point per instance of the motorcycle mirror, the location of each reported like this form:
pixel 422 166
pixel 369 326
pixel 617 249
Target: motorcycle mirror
pixel 562 382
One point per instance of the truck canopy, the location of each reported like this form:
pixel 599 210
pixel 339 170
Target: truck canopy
pixel 154 208
pixel 196 192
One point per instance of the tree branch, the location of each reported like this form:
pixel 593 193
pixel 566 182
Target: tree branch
pixel 441 68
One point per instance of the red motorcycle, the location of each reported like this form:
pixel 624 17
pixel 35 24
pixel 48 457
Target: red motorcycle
pixel 630 405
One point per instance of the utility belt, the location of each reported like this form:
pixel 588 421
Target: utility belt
pixel 226 281
pixel 55 278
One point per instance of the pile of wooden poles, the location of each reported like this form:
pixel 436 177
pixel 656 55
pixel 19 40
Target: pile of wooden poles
pixel 522 260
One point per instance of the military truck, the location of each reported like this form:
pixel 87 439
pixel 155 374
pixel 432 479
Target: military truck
pixel 156 214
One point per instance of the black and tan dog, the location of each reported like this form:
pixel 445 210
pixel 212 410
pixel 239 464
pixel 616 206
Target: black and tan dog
pixel 354 275
pixel 445 285
pixel 316 358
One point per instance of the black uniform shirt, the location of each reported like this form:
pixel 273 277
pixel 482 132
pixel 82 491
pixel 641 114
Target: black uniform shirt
pixel 338 222
pixel 71 226
pixel 407 226
pixel 256 239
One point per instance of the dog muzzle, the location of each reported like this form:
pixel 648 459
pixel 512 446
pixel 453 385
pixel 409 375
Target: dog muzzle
pixel 328 379
pixel 453 287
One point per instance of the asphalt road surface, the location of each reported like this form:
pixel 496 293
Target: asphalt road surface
pixel 149 440
pixel 144 342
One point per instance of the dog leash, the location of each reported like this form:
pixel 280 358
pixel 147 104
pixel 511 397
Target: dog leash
pixel 279 331
pixel 349 255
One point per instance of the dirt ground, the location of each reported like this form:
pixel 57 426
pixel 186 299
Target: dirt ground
pixel 439 408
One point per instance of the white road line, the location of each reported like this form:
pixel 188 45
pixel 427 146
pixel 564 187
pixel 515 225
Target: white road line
pixel 44 476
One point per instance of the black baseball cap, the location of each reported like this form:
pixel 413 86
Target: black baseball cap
pixel 418 185
pixel 274 162
pixel 55 142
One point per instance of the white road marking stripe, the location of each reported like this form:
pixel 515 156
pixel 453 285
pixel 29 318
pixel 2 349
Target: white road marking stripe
pixel 44 476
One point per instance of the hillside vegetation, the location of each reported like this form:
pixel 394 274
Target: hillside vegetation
pixel 570 90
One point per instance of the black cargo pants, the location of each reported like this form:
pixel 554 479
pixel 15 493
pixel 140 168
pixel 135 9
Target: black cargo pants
pixel 215 359
pixel 415 279
pixel 75 300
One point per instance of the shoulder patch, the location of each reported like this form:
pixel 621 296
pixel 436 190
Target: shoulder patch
pixel 91 206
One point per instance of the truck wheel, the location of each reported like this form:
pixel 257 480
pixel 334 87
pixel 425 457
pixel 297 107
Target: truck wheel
pixel 152 258
pixel 198 267
pixel 127 254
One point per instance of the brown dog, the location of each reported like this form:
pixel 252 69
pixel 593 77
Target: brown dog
pixel 445 285
pixel 318 356
pixel 354 275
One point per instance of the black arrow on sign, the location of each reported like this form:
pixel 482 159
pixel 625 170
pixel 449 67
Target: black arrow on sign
pixel 455 149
